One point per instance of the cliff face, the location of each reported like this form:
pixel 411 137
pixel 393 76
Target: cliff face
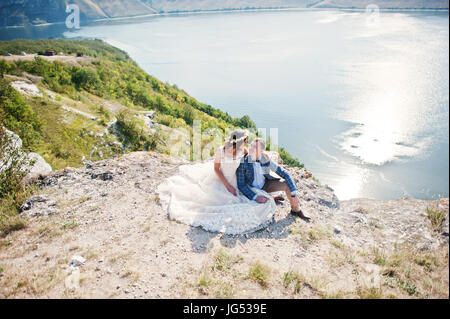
pixel 22 12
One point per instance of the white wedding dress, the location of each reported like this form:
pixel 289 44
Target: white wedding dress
pixel 197 197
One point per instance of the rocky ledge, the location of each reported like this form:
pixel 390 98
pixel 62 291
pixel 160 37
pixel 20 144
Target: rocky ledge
pixel 108 213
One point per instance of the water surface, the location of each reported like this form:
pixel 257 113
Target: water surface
pixel 363 103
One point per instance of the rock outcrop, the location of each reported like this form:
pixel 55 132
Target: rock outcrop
pixel 38 166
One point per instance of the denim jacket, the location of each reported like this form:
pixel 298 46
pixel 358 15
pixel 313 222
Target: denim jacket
pixel 245 174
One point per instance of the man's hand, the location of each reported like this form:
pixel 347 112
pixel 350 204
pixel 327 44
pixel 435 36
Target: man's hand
pixel 231 190
pixel 261 199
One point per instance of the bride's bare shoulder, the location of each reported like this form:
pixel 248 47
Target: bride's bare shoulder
pixel 219 153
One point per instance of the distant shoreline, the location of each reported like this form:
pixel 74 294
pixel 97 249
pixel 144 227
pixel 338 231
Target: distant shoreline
pixel 192 12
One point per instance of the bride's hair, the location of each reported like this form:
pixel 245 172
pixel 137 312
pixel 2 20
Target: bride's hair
pixel 237 138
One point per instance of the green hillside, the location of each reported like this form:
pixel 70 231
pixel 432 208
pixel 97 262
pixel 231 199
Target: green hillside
pixel 101 77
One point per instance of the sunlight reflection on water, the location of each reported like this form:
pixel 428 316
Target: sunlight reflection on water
pixel 365 107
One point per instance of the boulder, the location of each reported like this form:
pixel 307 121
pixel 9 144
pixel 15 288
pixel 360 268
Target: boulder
pixel 38 167
pixel 77 261
pixel 38 205
pixel 16 141
pixel 104 176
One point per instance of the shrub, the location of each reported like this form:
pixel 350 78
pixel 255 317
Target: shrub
pixel 245 122
pixel 4 67
pixel 259 273
pixel 189 115
pixel 288 159
pixel 17 114
pixel 86 78
pixel 436 218
pixel 133 136
pixel 13 168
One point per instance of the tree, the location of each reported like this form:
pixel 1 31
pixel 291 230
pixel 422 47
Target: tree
pixel 4 67
pixel 245 122
pixel 86 78
pixel 189 115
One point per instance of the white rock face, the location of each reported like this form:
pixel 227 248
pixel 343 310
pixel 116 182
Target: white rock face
pixel 16 141
pixel 40 166
pixel 27 88
pixel 15 144
pixel 77 261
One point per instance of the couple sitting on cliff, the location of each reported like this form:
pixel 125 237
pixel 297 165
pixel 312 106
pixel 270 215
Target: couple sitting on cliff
pixel 231 194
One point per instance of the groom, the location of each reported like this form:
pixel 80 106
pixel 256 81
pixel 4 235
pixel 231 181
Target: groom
pixel 254 172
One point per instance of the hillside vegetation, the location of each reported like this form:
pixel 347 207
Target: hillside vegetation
pixel 111 76
pixel 94 102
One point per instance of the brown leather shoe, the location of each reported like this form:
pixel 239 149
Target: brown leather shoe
pixel 301 215
pixel 279 198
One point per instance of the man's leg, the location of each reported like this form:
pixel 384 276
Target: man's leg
pixel 275 185
pixel 272 186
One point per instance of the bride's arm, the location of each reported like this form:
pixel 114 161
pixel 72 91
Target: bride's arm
pixel 220 174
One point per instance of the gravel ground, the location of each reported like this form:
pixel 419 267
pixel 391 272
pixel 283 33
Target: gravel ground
pixel 99 232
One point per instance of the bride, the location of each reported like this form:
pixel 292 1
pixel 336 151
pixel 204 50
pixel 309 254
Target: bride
pixel 206 194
